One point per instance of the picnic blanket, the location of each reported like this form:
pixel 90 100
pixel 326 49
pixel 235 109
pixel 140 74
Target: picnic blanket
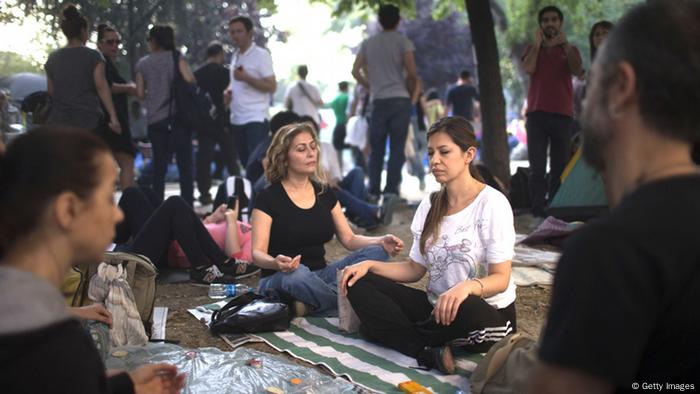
pixel 533 266
pixel 319 341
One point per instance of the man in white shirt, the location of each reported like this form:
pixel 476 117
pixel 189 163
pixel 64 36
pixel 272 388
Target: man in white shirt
pixel 304 98
pixel 252 82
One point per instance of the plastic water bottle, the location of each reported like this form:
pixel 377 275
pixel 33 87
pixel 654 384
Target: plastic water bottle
pixel 219 291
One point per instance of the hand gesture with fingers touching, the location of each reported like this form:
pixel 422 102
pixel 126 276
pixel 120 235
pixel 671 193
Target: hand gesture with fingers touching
pixel 392 244
pixel 157 378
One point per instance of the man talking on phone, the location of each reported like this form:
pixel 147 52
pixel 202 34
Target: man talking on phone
pixel 551 62
pixel 252 82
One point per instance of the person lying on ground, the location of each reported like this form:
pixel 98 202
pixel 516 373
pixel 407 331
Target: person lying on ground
pixel 217 250
pixel 48 224
pixel 295 216
pixel 463 236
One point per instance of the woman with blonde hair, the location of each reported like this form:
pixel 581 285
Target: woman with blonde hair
pixel 463 237
pixel 296 215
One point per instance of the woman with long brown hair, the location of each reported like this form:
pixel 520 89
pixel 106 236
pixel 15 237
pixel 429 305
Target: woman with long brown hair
pixel 49 223
pixel 463 236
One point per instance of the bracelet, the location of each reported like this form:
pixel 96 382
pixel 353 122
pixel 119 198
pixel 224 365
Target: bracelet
pixel 482 286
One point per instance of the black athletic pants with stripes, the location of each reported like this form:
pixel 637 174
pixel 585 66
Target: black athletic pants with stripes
pixel 399 317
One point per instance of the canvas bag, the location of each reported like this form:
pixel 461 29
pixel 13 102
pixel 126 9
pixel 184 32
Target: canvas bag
pixel 110 287
pixel 141 277
pixel 348 320
pixel 507 367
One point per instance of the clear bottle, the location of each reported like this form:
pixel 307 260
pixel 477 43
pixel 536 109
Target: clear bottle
pixel 220 291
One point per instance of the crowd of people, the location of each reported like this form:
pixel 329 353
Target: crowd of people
pixel 622 306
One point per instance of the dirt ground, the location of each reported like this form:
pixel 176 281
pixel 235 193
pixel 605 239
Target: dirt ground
pixel 532 302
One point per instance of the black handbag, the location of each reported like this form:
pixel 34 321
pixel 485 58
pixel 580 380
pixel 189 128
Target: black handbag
pixel 251 313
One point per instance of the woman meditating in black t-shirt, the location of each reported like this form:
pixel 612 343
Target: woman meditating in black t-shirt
pixel 295 216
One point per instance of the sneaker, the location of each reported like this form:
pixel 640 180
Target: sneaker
pixel 439 358
pixel 209 275
pixel 238 268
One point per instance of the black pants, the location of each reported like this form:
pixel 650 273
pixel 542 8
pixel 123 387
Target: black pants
pixel 400 317
pixel 169 137
pixel 173 220
pixel 553 130
pixel 205 155
pixel 137 203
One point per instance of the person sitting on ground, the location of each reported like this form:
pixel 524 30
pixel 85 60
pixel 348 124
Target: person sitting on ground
pixel 463 236
pixel 295 216
pixel 217 250
pixel 351 191
pixel 624 313
pixel 49 223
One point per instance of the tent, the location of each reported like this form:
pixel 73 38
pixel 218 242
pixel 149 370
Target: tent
pixel 581 195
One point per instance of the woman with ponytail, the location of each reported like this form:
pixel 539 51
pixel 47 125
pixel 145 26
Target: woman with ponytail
pixel 76 79
pixel 463 236
pixel 48 223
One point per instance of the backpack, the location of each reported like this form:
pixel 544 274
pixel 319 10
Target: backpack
pixel 507 367
pixel 193 106
pixel 141 276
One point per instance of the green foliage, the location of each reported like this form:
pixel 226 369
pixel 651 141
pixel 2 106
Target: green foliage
pixel 12 63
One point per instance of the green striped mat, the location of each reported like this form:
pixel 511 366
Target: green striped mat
pixel 320 342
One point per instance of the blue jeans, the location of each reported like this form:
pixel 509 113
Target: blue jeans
pixel 420 146
pixel 352 195
pixel 319 289
pixel 390 117
pixel 247 137
pixel 168 137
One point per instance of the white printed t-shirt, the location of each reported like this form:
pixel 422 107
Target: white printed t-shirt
pixel 249 104
pixel 469 240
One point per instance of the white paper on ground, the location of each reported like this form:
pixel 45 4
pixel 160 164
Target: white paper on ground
pixel 160 319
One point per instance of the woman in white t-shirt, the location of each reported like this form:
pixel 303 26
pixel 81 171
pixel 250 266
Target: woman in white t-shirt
pixel 463 236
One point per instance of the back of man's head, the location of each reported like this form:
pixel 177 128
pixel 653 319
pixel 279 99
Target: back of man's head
pixel 302 71
pixel 282 119
pixel 343 86
pixel 389 16
pixel 214 49
pixel 661 42
pixel 465 75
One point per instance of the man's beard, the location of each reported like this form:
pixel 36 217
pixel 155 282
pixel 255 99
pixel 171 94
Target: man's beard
pixel 597 135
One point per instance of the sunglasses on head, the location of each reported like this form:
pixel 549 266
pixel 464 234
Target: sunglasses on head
pixel 112 41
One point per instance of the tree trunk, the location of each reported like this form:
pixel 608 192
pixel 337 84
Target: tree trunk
pixel 494 151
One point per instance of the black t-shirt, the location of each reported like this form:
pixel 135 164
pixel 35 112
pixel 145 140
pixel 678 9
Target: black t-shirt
pixel 627 288
pixel 462 97
pixel 60 358
pixel 295 230
pixel 214 78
